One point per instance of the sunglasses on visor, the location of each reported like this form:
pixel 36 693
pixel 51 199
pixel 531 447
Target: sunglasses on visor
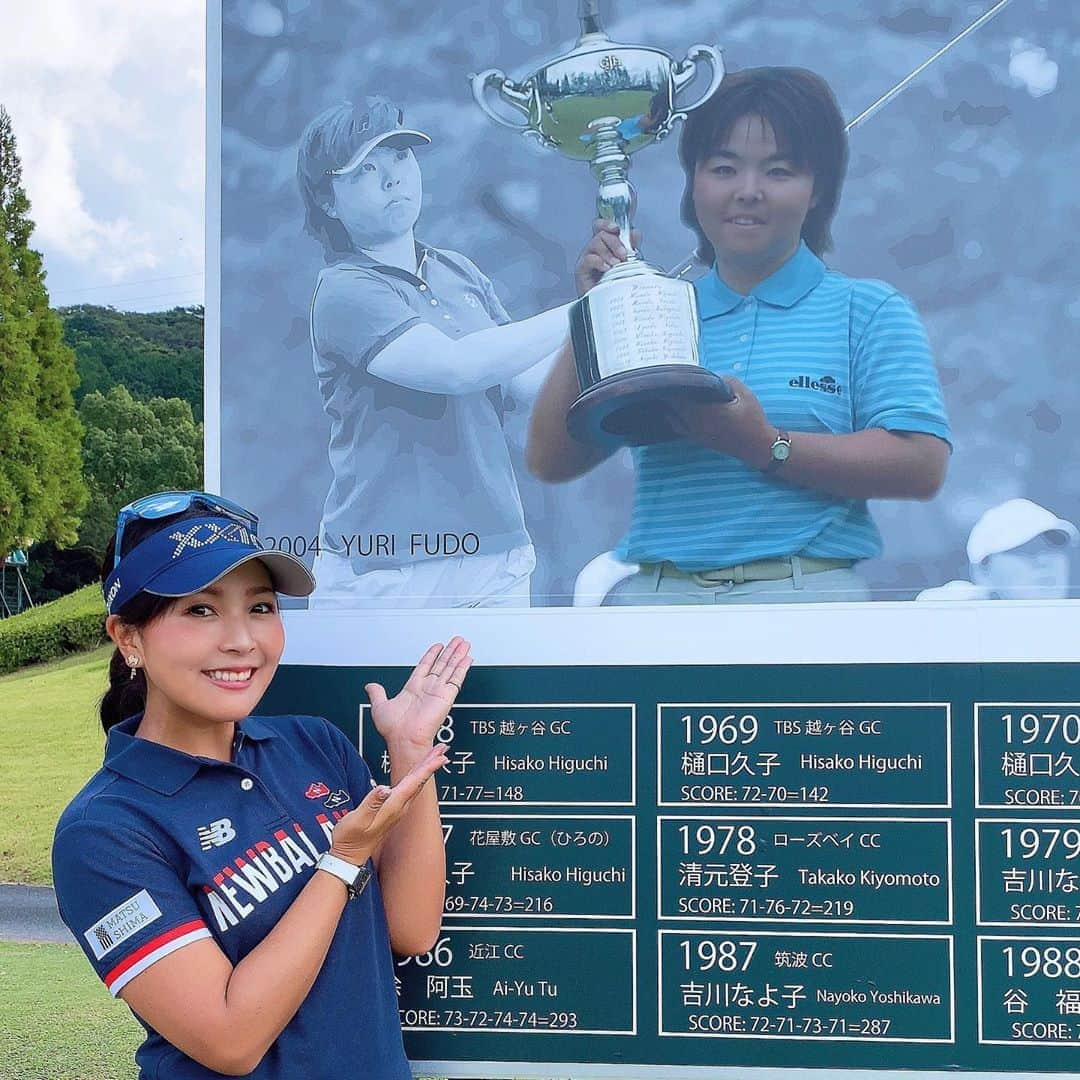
pixel 165 503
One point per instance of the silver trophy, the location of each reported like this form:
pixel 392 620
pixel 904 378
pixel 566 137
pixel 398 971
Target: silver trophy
pixel 634 334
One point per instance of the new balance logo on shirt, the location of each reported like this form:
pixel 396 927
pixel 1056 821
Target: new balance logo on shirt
pixel 216 833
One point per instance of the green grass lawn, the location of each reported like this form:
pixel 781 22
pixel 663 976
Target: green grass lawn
pixel 59 1022
pixel 50 743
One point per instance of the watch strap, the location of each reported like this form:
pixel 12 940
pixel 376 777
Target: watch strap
pixel 355 877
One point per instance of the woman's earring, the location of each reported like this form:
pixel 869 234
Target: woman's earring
pixel 133 663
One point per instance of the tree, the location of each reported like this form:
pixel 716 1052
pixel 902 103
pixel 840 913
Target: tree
pixel 41 488
pixel 132 448
pixel 154 354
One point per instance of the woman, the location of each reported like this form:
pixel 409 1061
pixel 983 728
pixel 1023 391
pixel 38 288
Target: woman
pixel 239 881
pixel 764 499
pixel 411 347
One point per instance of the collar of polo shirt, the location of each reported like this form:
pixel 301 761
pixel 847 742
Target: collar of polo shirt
pixel 784 288
pixel 363 259
pixel 162 768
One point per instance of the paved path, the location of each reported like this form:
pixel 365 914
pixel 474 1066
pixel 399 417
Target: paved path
pixel 28 913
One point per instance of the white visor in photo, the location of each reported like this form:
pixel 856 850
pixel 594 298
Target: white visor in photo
pixel 399 138
pixel 1013 523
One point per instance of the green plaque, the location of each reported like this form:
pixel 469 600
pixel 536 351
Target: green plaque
pixel 1028 871
pixel 878 987
pixel 521 981
pixel 844 868
pixel 533 755
pixel 740 754
pixel 1029 991
pixel 1028 755
pixel 806 869
pixel 537 867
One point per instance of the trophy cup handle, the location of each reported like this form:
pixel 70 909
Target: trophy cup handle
pixel 508 91
pixel 684 71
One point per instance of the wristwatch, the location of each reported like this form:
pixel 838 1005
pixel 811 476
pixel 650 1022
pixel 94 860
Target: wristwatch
pixel 780 450
pixel 355 877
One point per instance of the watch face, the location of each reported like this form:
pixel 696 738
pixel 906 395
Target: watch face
pixel 360 884
pixel 781 451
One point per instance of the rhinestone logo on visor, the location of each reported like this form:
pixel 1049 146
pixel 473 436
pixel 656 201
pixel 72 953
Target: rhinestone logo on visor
pixel 207 533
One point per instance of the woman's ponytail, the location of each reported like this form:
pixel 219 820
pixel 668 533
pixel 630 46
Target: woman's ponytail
pixel 126 695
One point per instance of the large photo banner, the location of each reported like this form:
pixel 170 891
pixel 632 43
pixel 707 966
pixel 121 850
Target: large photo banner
pixel 755 498
pixel 404 464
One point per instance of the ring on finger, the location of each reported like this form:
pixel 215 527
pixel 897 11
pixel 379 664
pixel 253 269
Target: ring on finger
pixel 456 686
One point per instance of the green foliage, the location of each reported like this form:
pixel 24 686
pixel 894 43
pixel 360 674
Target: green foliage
pixel 156 354
pixel 70 624
pixel 133 448
pixel 41 488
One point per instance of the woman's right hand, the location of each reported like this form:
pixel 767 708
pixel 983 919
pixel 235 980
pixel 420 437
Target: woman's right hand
pixel 358 835
pixel 601 253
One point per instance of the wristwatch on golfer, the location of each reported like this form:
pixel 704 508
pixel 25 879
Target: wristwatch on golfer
pixel 355 877
pixel 780 450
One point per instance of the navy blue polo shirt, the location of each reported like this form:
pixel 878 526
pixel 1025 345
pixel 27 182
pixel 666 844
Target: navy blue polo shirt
pixel 161 849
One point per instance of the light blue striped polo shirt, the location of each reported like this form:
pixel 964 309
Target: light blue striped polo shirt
pixel 824 353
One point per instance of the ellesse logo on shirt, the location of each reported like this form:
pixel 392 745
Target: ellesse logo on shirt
pixel 825 385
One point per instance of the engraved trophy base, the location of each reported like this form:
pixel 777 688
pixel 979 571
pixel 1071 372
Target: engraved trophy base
pixel 632 409
pixel 635 346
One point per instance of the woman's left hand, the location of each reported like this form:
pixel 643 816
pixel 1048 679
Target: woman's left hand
pixel 738 428
pixel 409 720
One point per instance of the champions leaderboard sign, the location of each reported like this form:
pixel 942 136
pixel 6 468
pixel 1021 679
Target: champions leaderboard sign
pixel 748 838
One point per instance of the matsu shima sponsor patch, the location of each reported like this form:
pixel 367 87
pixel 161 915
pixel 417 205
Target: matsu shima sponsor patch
pixel 124 920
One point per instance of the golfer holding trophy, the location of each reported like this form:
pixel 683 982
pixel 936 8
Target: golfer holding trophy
pixel 808 393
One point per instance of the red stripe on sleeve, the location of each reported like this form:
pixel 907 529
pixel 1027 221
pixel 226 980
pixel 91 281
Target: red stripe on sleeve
pixel 150 946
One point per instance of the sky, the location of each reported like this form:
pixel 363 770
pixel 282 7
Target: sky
pixel 107 99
